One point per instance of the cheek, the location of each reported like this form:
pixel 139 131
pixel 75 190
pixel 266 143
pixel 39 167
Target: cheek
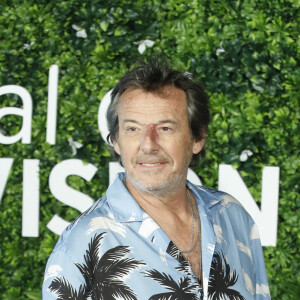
pixel 127 150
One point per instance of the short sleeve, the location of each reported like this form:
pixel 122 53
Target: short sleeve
pixel 261 286
pixel 62 276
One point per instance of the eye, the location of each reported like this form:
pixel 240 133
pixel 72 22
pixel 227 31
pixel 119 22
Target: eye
pixel 166 129
pixel 131 129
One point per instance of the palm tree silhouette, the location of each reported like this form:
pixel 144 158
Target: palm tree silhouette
pixel 64 290
pixel 183 290
pixel 104 278
pixel 221 279
pixel 184 266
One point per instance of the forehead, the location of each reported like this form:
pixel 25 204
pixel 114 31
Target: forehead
pixel 169 100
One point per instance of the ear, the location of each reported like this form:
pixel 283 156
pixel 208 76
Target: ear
pixel 117 147
pixel 198 145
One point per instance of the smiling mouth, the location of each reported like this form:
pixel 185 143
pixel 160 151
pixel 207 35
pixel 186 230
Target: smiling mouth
pixel 151 164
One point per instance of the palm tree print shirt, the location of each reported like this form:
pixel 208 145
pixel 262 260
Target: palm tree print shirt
pixel 115 250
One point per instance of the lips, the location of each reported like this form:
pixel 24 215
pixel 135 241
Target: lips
pixel 150 165
pixel 152 161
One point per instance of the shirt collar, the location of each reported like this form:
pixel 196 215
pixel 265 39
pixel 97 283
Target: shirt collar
pixel 125 208
pixel 123 205
pixel 204 196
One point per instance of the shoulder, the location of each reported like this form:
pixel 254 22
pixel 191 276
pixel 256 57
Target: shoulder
pixel 95 220
pixel 88 231
pixel 228 214
pixel 222 204
pixel 214 197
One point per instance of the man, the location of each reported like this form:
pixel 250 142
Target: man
pixel 154 235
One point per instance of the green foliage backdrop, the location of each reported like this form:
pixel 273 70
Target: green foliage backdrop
pixel 253 82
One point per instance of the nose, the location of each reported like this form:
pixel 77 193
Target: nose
pixel 149 140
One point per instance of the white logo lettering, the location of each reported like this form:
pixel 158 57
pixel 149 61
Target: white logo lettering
pixel 266 218
pixel 31 198
pixel 52 105
pixel 64 193
pixel 25 113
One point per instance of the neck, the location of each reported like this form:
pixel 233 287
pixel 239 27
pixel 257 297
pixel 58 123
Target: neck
pixel 162 203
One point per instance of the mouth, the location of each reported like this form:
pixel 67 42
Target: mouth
pixel 151 165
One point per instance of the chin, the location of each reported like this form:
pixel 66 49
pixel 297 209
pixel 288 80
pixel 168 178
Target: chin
pixel 151 187
pixel 158 188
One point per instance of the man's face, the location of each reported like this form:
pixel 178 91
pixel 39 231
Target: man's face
pixel 154 139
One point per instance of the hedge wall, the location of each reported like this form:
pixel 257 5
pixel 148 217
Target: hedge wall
pixel 246 54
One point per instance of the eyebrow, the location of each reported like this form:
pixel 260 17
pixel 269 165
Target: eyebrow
pixel 158 123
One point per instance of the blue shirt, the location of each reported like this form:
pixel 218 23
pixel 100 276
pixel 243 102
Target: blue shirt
pixel 115 250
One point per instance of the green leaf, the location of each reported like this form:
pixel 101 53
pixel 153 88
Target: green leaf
pixel 104 25
pixel 34 295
